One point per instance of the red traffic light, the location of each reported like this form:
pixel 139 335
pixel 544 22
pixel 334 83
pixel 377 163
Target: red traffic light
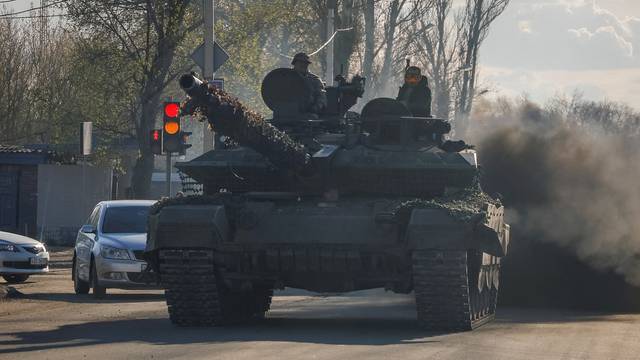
pixel 172 109
pixel 156 141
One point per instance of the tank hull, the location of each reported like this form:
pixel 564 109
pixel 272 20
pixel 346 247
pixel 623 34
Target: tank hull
pixel 334 247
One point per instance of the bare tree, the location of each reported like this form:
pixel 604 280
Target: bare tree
pixel 15 80
pixel 370 49
pixel 433 39
pixel 446 41
pixel 474 23
pixel 349 16
pixel 35 72
pixel 387 25
pixel 400 14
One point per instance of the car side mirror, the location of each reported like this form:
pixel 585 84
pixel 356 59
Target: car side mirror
pixel 88 229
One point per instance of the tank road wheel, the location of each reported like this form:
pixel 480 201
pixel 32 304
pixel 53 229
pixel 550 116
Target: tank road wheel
pixel 482 288
pixel 191 287
pixel 448 297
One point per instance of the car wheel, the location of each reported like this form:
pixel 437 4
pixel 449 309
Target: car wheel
pixel 98 291
pixel 80 286
pixel 15 278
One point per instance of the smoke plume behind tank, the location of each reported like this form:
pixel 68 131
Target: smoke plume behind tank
pixel 570 175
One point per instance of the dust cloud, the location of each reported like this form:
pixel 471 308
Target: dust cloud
pixel 569 174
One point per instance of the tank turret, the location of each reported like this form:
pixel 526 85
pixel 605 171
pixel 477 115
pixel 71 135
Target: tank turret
pixel 382 151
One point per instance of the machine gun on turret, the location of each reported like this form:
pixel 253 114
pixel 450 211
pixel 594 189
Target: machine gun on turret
pixel 344 95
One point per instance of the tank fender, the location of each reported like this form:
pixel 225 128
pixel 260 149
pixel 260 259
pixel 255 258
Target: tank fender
pixel 437 229
pixel 187 226
pixel 488 240
pixel 492 234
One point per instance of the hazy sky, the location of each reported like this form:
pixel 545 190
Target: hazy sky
pixel 545 47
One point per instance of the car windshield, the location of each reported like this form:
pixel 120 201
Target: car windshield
pixel 125 219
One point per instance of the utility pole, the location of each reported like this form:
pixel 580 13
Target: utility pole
pixel 331 13
pixel 209 38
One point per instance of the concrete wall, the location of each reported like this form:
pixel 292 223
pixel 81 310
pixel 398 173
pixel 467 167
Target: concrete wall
pixel 66 196
pixel 159 185
pixel 25 199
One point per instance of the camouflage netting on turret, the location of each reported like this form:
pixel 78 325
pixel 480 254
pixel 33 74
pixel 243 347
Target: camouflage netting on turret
pixel 468 205
pixel 247 128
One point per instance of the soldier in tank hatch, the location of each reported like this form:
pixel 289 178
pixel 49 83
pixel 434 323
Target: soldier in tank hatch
pixel 415 93
pixel 317 100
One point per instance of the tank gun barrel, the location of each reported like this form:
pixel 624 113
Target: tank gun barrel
pixel 229 117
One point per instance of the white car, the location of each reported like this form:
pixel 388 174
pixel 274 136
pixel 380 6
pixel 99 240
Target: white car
pixel 20 257
pixel 109 248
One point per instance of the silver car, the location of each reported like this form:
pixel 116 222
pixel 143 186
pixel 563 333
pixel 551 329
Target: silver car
pixel 109 248
pixel 21 256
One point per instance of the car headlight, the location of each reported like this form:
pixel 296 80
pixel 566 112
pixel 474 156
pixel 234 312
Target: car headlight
pixel 7 246
pixel 110 252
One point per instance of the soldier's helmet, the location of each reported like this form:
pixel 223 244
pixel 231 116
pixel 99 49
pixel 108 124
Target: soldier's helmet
pixel 413 70
pixel 303 57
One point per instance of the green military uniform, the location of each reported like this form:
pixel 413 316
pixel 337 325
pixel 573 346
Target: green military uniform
pixel 317 99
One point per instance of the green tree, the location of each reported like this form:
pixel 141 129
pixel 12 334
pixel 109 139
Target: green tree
pixel 148 34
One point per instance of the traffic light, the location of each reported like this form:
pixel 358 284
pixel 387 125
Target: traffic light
pixel 185 138
pixel 171 134
pixel 156 141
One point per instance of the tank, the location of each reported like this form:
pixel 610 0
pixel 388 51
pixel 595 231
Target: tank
pixel 330 203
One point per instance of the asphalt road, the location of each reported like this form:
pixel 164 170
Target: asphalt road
pixel 50 322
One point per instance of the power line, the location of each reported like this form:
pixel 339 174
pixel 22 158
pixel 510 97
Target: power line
pixel 323 45
pixel 33 16
pixel 7 1
pixel 32 9
pixel 330 40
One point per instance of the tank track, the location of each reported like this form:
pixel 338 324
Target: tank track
pixel 447 295
pixel 195 296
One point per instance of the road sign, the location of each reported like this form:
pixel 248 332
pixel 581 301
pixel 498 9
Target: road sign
pixel 219 56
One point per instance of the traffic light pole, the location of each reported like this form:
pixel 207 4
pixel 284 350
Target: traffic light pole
pixel 168 175
pixel 209 38
pixel 330 29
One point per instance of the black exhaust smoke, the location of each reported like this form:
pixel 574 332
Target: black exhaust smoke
pixel 573 192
